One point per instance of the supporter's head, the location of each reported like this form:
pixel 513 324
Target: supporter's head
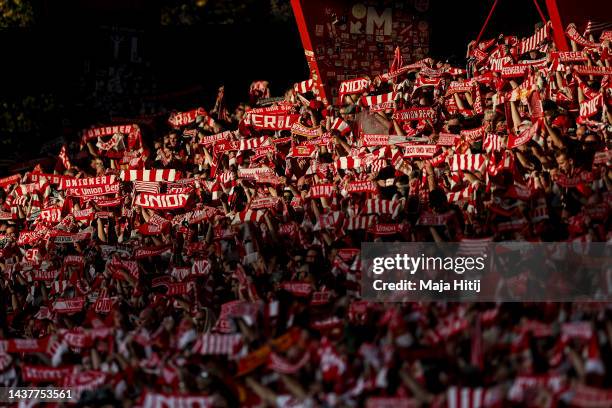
pixel 97 164
pixel 564 161
pixel 453 124
pixel 489 99
pixel 550 108
pixel 11 231
pixel 437 200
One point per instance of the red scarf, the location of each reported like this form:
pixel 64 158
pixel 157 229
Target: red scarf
pixel 361 187
pixel 179 119
pixel 575 36
pixel 271 122
pixel 95 133
pixel 525 136
pixel 10 180
pixel 44 374
pixel 212 139
pixel 150 175
pixel 66 182
pixel 93 191
pixel 148 252
pixel 420 151
pixel 593 70
pixel 414 114
pixel 161 201
pixel 72 305
pixel 353 86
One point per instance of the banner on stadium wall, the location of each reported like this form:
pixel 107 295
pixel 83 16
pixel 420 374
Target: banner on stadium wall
pixel 345 39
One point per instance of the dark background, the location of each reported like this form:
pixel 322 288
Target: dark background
pixel 60 72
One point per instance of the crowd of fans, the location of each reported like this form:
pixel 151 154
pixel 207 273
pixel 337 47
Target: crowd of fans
pixel 217 264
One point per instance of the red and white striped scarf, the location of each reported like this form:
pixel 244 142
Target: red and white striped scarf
pixel 345 163
pixel 459 87
pixel 531 43
pixel 264 202
pixel 378 99
pixel 341 126
pixel 464 397
pixel 493 143
pixel 95 133
pixel 152 187
pixel 271 121
pixel 525 136
pixel 469 162
pixel 253 173
pixel 51 215
pixel 147 252
pixel 379 206
pixel 573 34
pixel 420 150
pixel 43 374
pixel 359 222
pixel 328 221
pixel 83 215
pixel 386 229
pixel 302 150
pixel 299 289
pixel 68 305
pixel 322 190
pixel 217 344
pixel 366 186
pixel 178 119
pixel 593 70
pixel 93 191
pixel 513 71
pixel 150 175
pixel 304 86
pixel 497 64
pixel 465 194
pixel 370 140
pixel 212 139
pixel 249 216
pixel 10 180
pixel 227 179
pixel 570 56
pixel 422 81
pixel 353 86
pixel 306 131
pixel 414 114
pixel 112 143
pixel 254 143
pixel 447 139
pixel 590 107
pixel 86 182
